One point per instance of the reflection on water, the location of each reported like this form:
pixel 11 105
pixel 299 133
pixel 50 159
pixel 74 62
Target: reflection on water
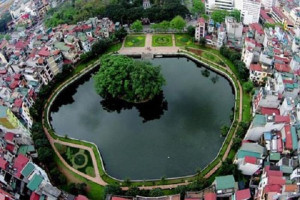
pixel 150 110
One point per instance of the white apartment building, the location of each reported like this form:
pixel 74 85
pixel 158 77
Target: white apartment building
pixel 219 5
pixel 200 29
pixel 234 28
pixel 295 15
pixel 268 3
pixel 250 10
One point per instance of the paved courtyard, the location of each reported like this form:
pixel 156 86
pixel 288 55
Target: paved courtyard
pixel 148 49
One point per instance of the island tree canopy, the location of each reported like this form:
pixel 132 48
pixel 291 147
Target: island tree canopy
pixel 128 79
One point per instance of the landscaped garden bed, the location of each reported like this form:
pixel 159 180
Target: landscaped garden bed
pixel 79 159
pixel 135 41
pixel 162 40
pixel 183 40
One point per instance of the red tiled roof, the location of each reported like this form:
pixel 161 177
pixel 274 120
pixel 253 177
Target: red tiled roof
pixel 255 67
pixel 289 140
pixel 40 60
pixel 269 111
pixel 14 84
pixel 33 52
pixel 265 16
pixel 18 103
pixel 210 196
pixel 3 71
pixel 31 92
pixel 276 180
pixel 7 195
pixel 118 198
pixel 20 45
pixel 282 67
pixel 273 172
pixel 10 147
pixel 257 27
pixel 273 188
pixel 279 145
pixel 249 159
pixel 3 163
pixel 283 59
pixel 56 52
pixel 282 119
pixel 243 194
pixel 291 188
pixel 17 76
pixel 44 52
pixel 67 62
pixel 26 16
pixel 20 163
pixel 288 81
pixel 34 196
pixel 201 20
pixel 9 136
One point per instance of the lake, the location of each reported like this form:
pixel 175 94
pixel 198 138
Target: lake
pixel 175 134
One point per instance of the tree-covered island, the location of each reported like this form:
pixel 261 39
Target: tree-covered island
pixel 128 79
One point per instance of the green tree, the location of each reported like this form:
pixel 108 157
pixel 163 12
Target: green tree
pixel 178 23
pixel 45 154
pixel 42 142
pixel 248 86
pixel 163 180
pixel 112 189
pixel 137 26
pixel 157 192
pixel 219 15
pixel 191 30
pixel 132 191
pixel 198 7
pixel 202 41
pixel 236 14
pixel 236 143
pixel 127 182
pixel 121 34
pixel 130 80
pixel 164 25
pixel 224 130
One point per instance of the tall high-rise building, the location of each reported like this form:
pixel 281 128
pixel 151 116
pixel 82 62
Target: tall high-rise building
pixel 268 3
pixel 250 10
pixel 219 5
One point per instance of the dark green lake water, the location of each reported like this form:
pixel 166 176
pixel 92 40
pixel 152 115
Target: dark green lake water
pixel 171 136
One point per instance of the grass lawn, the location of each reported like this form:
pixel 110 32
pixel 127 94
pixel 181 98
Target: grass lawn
pixel 135 41
pixel 162 40
pixel 95 191
pixel 77 158
pixel 183 40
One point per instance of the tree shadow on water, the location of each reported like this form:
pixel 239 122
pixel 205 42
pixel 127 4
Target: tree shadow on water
pixel 150 110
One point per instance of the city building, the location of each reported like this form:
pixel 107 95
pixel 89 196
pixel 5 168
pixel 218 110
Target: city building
pixel 200 29
pixel 219 5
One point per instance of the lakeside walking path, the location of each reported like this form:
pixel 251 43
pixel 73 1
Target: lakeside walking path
pixel 135 51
